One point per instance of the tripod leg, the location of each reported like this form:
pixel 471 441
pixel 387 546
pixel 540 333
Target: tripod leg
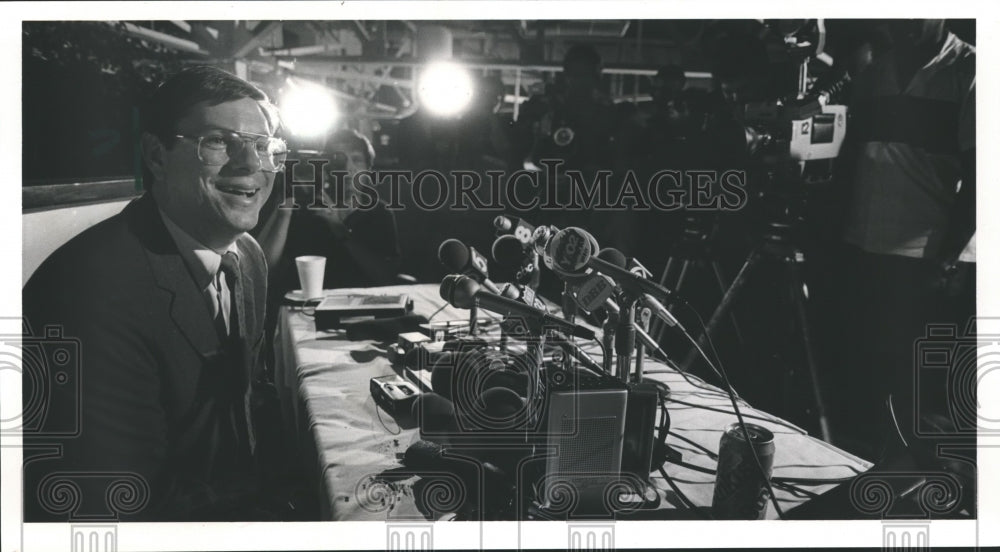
pixel 683 274
pixel 722 290
pixel 666 270
pixel 799 298
pixel 724 306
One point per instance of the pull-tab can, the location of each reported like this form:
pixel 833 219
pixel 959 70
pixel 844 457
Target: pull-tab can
pixel 740 491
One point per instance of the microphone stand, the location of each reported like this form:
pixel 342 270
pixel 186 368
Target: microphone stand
pixel 535 352
pixel 568 304
pixel 529 275
pixel 474 318
pixel 608 339
pixel 625 338
pixel 569 313
pixel 640 348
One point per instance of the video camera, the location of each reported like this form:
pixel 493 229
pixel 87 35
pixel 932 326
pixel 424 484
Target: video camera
pixel 798 123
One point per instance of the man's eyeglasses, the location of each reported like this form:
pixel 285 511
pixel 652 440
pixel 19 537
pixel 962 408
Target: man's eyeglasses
pixel 218 147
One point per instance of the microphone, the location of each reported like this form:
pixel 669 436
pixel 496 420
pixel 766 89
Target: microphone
pixel 575 352
pixel 503 223
pixel 508 251
pixel 463 292
pixel 540 239
pixel 573 250
pixel 592 292
pixel 617 258
pixel 431 457
pixel 460 258
pixel 435 416
pixel 522 230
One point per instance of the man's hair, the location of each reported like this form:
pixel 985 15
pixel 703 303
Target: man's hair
pixel 188 87
pixel 354 140
pixel 193 85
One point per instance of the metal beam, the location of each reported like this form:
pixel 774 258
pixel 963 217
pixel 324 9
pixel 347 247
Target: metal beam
pixel 163 38
pixel 324 32
pixel 362 30
pixel 324 70
pixel 334 63
pixel 260 33
pixel 303 50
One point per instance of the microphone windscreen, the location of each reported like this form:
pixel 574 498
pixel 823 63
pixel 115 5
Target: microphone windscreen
pixel 570 250
pixel 423 455
pixel 508 252
pixel 503 409
pixel 435 415
pixel 384 329
pixel 613 256
pixel 511 291
pixel 459 291
pixel 454 255
pixel 502 223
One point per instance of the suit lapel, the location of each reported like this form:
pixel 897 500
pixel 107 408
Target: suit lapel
pixel 188 308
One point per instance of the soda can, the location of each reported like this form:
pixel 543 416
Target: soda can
pixel 740 492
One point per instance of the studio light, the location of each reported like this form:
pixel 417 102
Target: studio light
pixel 445 88
pixel 308 109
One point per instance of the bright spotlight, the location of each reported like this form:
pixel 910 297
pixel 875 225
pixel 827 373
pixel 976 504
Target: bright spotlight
pixel 445 88
pixel 307 109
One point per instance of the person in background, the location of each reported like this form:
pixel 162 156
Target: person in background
pixel 575 122
pixel 911 220
pixel 356 232
pixel 668 84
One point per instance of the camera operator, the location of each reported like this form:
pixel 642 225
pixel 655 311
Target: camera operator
pixel 575 122
pixel 912 213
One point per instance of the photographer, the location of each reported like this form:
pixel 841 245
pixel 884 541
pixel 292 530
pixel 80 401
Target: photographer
pixel 360 244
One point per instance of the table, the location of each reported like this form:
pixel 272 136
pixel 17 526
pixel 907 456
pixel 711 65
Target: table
pixel 344 439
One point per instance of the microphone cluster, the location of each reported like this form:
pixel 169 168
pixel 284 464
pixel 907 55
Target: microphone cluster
pixel 490 403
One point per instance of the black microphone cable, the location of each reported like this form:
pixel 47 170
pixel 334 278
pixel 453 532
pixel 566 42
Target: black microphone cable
pixel 720 371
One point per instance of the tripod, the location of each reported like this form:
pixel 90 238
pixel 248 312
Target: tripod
pixel 777 246
pixel 693 250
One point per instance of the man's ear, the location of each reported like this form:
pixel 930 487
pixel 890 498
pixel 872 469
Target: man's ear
pixel 154 155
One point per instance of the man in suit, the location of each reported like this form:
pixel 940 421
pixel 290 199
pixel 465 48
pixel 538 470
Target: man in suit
pixel 167 300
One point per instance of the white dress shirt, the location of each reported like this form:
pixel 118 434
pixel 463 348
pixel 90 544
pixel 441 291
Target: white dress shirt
pixel 205 265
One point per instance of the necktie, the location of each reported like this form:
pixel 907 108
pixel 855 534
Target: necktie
pixel 235 344
pixel 231 269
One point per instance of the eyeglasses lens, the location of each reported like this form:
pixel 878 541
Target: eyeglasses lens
pixel 218 150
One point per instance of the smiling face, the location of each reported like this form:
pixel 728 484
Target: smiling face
pixel 215 204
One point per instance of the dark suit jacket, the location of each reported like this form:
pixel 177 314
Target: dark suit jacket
pixel 157 390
